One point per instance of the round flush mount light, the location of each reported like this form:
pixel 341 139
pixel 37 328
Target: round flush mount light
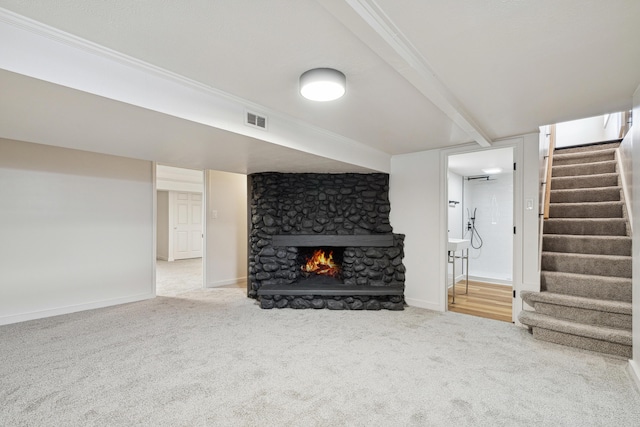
pixel 322 84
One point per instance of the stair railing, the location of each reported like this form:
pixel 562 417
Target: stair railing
pixel 547 187
pixel 627 120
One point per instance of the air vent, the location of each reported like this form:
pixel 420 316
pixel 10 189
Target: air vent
pixel 256 120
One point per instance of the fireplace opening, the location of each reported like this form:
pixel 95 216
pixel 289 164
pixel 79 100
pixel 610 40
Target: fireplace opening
pixel 320 265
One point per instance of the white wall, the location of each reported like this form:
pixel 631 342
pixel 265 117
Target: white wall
pixel 455 211
pixel 493 199
pixel 419 210
pixel 529 236
pixel 77 231
pixel 162 226
pixel 635 131
pixel 416 207
pixel 179 179
pixel 226 229
pixel 455 216
pixel 585 131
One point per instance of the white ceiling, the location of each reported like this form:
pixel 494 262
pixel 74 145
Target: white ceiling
pixel 106 126
pixel 420 75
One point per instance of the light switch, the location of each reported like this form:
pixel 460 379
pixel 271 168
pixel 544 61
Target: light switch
pixel 214 214
pixel 529 204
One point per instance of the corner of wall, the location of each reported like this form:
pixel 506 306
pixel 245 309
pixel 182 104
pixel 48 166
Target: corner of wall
pixel 634 373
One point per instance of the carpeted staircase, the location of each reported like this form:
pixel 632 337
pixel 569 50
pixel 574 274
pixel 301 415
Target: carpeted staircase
pixel 585 298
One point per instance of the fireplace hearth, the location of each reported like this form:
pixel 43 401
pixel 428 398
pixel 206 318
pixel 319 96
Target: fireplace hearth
pixel 324 241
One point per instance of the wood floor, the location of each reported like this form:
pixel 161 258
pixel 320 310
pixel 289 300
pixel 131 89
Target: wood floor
pixel 484 300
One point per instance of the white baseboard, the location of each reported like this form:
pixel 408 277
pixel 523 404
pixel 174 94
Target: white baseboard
pixel 458 278
pixel 23 317
pixel 412 302
pixel 235 281
pixel 491 280
pixel 634 372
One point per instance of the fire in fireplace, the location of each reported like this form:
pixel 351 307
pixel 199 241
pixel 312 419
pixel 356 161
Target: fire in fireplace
pixel 321 265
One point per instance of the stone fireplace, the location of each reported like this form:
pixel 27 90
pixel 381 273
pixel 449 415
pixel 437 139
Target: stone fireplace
pixel 324 241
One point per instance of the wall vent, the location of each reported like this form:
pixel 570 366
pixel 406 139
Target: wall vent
pixel 256 120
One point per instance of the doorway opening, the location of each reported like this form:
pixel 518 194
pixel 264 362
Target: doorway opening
pixel 179 230
pixel 480 261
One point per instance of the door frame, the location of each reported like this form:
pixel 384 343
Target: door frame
pixel 154 201
pixel 517 145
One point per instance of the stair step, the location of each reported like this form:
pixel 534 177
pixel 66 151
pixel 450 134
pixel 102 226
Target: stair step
pixel 579 195
pixel 586 210
pixel 586 226
pixel 596 304
pixel 596 265
pixel 586 265
pixel 602 245
pixel 561 159
pixel 603 145
pixel 587 285
pixel 584 343
pixel 584 181
pixel 613 314
pixel 584 169
pixel 584 316
pixel 589 337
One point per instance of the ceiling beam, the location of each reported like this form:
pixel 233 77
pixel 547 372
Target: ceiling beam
pixel 32 49
pixel 382 36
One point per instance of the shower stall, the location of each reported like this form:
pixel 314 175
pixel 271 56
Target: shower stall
pixel 481 210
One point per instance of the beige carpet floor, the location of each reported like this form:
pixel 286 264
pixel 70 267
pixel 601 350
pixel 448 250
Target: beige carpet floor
pixel 211 357
pixel 175 277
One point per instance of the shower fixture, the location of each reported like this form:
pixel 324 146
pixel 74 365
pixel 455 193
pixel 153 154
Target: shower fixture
pixel 476 240
pixel 480 177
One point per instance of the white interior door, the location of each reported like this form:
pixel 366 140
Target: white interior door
pixel 187 226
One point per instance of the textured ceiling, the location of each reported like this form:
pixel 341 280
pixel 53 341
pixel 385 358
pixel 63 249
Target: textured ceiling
pixel 508 65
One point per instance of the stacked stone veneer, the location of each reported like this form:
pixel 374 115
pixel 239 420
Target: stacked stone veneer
pixel 322 204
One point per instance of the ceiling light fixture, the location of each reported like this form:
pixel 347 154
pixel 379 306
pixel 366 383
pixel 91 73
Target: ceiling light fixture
pixel 322 84
pixel 492 170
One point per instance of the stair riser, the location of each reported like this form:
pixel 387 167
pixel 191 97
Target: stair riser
pixel 562 160
pixel 587 265
pixel 586 245
pixel 581 315
pixel 569 183
pixel 582 342
pixel 592 287
pixel 585 210
pixel 614 227
pixel 607 194
pixel 588 169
